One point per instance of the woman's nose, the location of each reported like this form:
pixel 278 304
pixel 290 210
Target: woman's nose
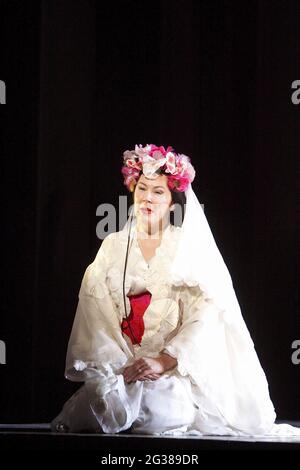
pixel 148 196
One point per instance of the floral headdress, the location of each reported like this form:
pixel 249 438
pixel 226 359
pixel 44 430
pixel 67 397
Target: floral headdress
pixel 153 161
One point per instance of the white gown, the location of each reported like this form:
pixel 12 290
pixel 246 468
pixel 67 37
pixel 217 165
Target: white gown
pixel 218 386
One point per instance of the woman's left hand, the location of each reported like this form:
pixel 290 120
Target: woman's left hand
pixel 148 368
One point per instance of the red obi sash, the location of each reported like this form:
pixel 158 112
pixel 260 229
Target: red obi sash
pixel 138 304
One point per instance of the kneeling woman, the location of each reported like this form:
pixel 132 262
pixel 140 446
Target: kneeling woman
pixel 158 337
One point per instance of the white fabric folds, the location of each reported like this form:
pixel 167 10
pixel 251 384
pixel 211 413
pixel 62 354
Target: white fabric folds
pixel 218 386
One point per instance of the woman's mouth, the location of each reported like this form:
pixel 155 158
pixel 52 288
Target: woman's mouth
pixel 145 210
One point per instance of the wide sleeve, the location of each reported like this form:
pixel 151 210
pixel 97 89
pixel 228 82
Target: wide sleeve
pixel 215 349
pixel 96 344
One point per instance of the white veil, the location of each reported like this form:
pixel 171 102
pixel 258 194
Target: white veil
pixel 198 261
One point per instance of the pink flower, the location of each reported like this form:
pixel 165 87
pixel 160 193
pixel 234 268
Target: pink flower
pixel 178 183
pixel 161 149
pixel 157 155
pixel 131 176
pixel 133 163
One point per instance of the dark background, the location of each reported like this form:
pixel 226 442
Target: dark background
pixel 87 80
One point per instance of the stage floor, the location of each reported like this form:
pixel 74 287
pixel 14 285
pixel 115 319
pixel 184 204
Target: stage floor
pixel 39 437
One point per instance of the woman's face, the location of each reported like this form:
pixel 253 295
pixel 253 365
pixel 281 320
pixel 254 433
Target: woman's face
pixel 152 201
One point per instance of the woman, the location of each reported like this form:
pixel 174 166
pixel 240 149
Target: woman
pixel 158 337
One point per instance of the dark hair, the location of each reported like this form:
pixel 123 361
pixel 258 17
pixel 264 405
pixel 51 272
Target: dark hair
pixel 177 216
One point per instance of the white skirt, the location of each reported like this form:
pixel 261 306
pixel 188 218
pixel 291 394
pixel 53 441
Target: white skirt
pixel 149 407
pixel 164 406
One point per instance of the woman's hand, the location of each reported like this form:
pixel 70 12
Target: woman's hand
pixel 149 368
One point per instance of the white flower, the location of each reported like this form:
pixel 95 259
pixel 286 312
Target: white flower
pixel 150 166
pixel 171 163
pixel 140 151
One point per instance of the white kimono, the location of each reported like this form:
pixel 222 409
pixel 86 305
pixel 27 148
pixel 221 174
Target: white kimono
pixel 218 386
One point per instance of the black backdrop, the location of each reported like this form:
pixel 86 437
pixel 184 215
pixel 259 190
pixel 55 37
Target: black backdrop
pixel 85 81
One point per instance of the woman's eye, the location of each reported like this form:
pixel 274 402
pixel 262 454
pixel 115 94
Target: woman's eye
pixel 144 189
